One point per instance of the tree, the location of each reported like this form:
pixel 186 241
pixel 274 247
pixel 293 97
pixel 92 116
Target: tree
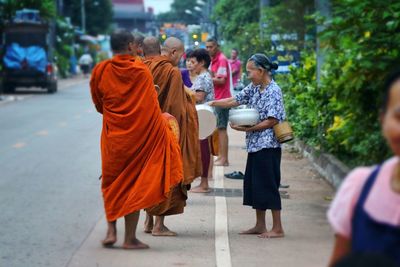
pixel 238 25
pixel 241 26
pixel 289 17
pixel 46 8
pixel 178 12
pixel 234 17
pixel 98 14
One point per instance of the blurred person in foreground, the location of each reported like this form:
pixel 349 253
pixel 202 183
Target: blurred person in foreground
pixel 203 89
pixel 365 214
pixel 263 168
pixel 141 160
pixel 365 260
pixel 221 78
pixel 174 99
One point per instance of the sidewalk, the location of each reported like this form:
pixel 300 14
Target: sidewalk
pixel 308 240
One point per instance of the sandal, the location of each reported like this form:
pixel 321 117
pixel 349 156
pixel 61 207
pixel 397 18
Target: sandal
pixel 235 175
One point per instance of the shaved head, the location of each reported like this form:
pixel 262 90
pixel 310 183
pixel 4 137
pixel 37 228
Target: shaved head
pixel 151 46
pixel 174 43
pixel 173 48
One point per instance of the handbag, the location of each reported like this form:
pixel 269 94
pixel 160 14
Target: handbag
pixel 283 132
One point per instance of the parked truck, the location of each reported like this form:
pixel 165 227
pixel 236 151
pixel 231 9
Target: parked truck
pixel 27 58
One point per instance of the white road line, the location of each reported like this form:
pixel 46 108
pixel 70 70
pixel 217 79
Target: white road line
pixel 222 249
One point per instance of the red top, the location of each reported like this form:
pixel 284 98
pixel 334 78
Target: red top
pixel 220 68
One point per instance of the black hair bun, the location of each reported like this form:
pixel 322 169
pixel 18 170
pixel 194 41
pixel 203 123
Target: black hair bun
pixel 274 66
pixel 263 61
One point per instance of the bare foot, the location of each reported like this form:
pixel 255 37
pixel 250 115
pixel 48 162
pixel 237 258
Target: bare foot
pixel 110 240
pixel 163 231
pixel 221 163
pixel 199 189
pixel 135 244
pixel 148 224
pixel 254 231
pixel 272 234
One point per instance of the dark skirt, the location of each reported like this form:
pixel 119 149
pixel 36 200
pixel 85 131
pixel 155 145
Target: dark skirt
pixel 205 157
pixel 262 179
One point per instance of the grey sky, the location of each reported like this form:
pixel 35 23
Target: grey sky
pixel 158 5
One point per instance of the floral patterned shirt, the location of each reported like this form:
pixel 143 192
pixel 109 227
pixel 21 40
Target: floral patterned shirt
pixel 268 103
pixel 205 84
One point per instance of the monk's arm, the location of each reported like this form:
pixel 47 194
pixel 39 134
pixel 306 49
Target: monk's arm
pixel 341 248
pixel 176 96
pixel 224 103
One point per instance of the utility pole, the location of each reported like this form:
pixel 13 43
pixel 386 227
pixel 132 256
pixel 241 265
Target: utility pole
pixel 214 27
pixel 262 23
pixel 83 16
pixel 324 8
pixel 60 7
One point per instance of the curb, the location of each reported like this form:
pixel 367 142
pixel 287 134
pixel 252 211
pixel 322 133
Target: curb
pixel 333 170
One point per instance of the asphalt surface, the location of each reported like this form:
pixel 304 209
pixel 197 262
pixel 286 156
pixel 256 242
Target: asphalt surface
pixel 49 169
pixel 51 209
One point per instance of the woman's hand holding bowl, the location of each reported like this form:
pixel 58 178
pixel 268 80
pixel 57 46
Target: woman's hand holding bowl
pixel 240 128
pixel 210 103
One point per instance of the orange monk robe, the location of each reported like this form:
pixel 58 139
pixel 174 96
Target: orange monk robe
pixel 141 160
pixel 176 101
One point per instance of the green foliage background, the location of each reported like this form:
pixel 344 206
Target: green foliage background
pixel 340 113
pixel 178 12
pixel 238 25
pixel 98 15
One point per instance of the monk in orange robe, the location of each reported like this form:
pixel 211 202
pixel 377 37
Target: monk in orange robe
pixel 141 159
pixel 176 101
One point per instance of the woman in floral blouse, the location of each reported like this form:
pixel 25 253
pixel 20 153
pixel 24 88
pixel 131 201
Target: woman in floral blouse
pixel 263 175
pixel 203 89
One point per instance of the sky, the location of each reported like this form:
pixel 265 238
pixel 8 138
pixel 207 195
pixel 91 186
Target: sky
pixel 158 5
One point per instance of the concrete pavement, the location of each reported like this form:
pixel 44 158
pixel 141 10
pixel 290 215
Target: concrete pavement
pixel 308 238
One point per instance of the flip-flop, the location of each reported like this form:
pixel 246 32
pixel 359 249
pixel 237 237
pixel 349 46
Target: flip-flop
pixel 237 176
pixel 229 175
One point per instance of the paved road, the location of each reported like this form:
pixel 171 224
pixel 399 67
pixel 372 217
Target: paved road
pixel 49 164
pixel 51 209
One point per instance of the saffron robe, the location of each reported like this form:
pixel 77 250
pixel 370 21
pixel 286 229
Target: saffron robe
pixel 141 158
pixel 174 100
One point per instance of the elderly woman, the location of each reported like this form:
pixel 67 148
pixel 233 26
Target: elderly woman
pixel 263 175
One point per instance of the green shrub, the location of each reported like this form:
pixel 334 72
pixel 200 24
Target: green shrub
pixel 340 114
